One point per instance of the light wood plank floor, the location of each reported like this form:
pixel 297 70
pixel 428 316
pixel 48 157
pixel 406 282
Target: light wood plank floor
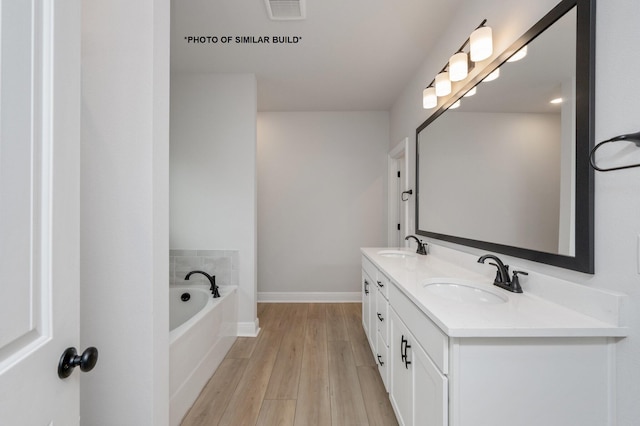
pixel 311 365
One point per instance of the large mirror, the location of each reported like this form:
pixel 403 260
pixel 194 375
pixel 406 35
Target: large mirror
pixel 507 170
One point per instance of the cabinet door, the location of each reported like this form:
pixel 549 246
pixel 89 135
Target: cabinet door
pixel 369 318
pixel 401 386
pixel 430 402
pixel 418 390
pixel 367 295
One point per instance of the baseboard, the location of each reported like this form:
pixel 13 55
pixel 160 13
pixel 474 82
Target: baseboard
pixel 248 329
pixel 310 297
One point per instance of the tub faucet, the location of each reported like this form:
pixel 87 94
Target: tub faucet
pixel 422 247
pixel 212 281
pixel 502 279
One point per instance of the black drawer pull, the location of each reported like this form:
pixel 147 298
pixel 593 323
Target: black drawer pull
pixel 380 317
pixel 404 345
pixel 380 360
pixel 380 284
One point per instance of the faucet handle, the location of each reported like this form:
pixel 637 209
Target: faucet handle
pixel 515 281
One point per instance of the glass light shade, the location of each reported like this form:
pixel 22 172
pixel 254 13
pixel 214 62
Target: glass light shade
pixel 471 92
pixel 518 55
pixel 481 43
pixel 455 105
pixel 492 76
pixel 429 98
pixel 443 84
pixel 458 67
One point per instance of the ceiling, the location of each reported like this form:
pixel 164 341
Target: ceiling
pixel 350 54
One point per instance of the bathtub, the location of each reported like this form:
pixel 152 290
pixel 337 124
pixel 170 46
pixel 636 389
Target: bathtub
pixel 202 332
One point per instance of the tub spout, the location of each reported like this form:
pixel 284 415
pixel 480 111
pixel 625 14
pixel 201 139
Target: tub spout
pixel 212 281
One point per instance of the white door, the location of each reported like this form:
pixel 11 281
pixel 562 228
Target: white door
pixel 39 209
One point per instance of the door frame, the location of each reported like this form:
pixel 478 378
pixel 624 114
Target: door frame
pixel 398 156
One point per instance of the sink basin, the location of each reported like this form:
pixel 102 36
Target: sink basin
pixel 396 253
pixel 462 292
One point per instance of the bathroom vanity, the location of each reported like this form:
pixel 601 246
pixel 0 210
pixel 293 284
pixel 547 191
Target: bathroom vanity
pixel 453 349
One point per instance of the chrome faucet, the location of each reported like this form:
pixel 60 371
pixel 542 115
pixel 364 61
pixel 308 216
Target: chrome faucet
pixel 502 279
pixel 422 247
pixel 212 281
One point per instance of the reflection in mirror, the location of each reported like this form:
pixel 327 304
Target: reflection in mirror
pixel 499 171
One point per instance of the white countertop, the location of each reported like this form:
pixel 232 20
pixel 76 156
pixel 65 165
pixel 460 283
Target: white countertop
pixel 523 315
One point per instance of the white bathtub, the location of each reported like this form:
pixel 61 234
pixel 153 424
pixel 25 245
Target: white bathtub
pixel 203 330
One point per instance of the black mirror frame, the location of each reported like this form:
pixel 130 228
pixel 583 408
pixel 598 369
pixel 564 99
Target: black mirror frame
pixel 583 260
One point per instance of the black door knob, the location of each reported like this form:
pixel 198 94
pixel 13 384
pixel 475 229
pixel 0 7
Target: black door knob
pixel 70 360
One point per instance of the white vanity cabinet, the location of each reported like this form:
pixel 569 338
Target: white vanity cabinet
pixel 418 390
pixel 487 375
pixel 375 316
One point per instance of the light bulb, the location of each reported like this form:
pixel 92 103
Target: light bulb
pixel 429 98
pixel 455 105
pixel 443 84
pixel 492 76
pixel 518 55
pixel 481 43
pixel 471 92
pixel 458 67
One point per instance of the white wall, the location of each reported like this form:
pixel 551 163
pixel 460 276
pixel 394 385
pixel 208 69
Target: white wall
pixel 124 211
pixel 213 173
pixel 321 196
pixel 617 223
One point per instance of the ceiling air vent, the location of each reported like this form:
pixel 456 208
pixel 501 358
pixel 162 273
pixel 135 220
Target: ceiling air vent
pixel 286 9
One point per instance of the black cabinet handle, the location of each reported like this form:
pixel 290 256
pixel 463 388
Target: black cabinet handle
pixel 380 284
pixel 380 317
pixel 380 360
pixel 406 361
pixel 366 287
pixel 403 351
pixel 404 345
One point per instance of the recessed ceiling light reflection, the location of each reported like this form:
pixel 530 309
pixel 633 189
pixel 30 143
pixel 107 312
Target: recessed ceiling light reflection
pixel 556 101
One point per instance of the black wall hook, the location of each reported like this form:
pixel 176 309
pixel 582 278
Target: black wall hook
pixel 631 137
pixel 410 192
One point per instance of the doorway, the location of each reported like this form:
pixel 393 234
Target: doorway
pixel 399 198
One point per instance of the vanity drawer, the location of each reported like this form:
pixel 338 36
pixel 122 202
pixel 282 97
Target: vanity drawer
pixel 428 335
pixel 382 317
pixel 382 360
pixel 383 284
pixel 370 269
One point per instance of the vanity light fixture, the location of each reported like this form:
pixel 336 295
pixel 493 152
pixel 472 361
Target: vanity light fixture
pixel 471 92
pixel 429 98
pixel 455 105
pixel 481 43
pixel 494 75
pixel 518 55
pixel 460 63
pixel 458 66
pixel 443 84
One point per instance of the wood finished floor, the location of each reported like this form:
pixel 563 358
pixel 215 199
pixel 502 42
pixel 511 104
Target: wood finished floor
pixel 311 365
